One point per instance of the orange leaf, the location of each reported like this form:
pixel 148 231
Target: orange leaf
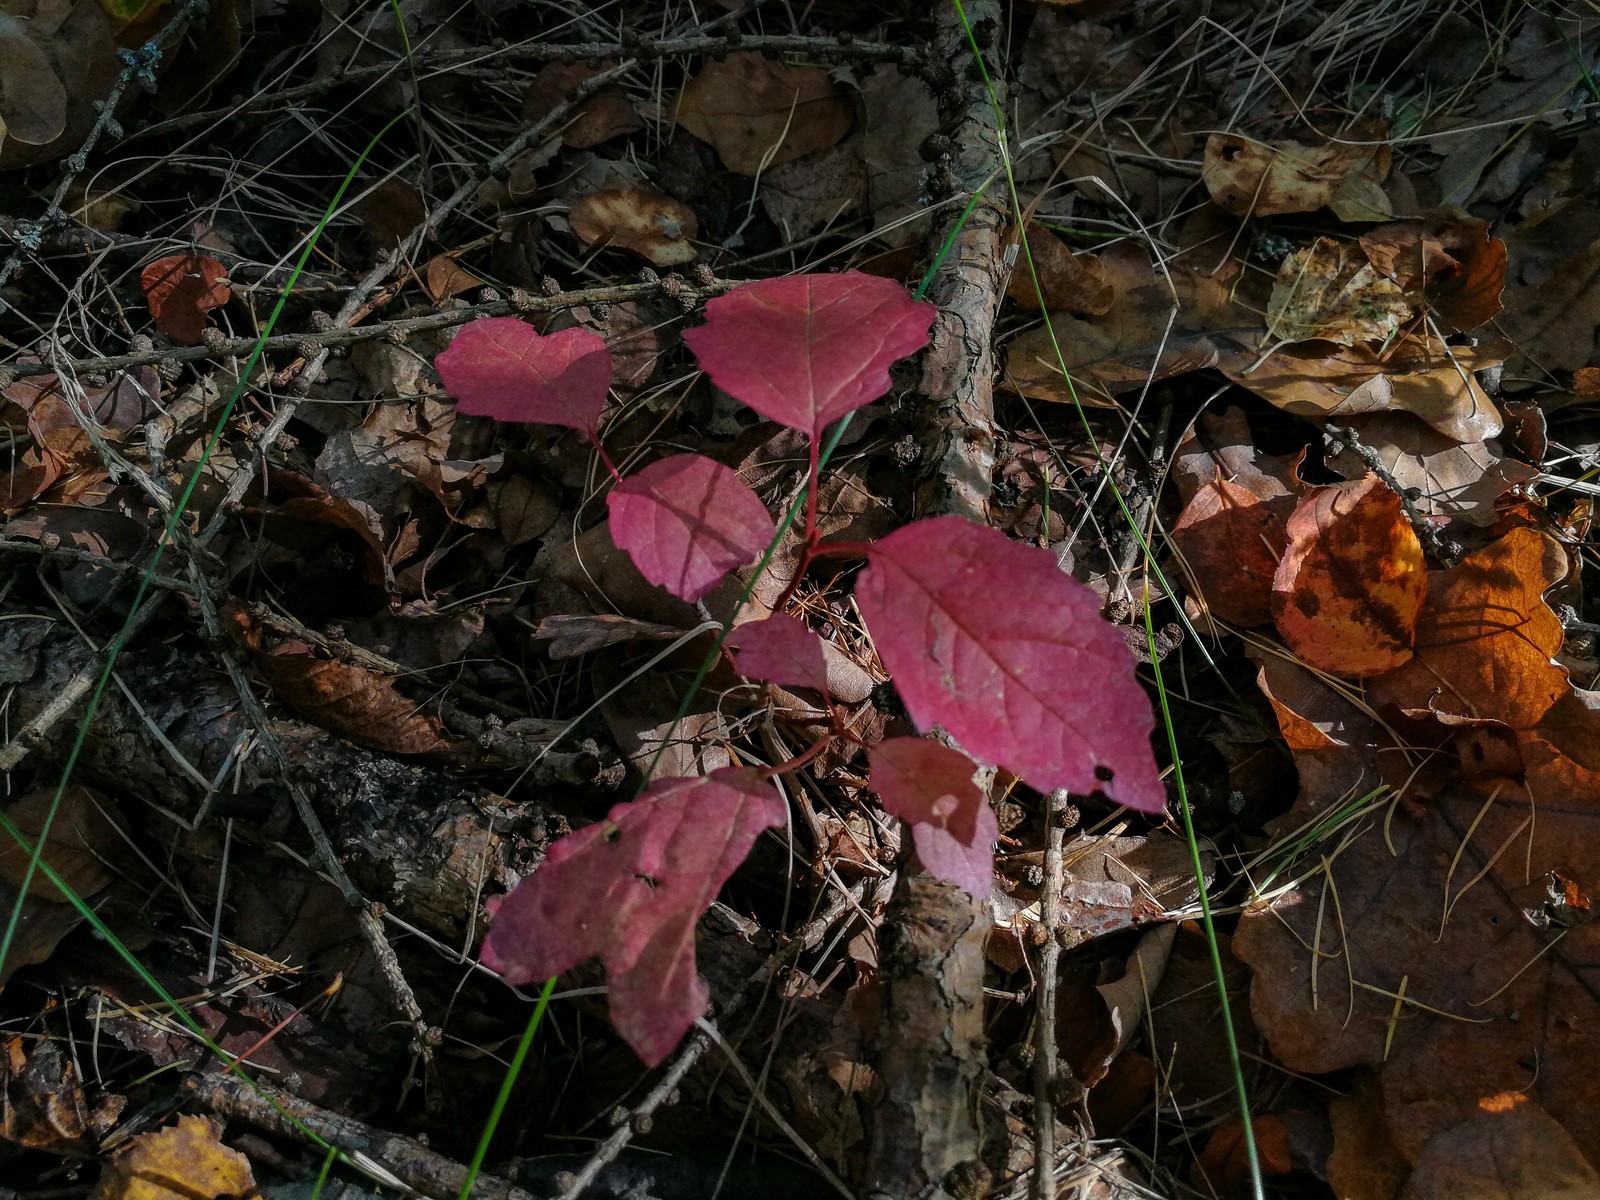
pixel 185 1162
pixel 180 290
pixel 1486 637
pixel 1350 587
pixel 1232 541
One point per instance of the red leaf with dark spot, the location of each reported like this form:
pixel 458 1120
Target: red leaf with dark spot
pixel 988 638
pixel 628 891
pixel 503 368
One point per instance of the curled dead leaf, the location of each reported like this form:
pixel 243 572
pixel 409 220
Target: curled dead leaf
pixel 651 224
pixel 605 115
pixel 1250 177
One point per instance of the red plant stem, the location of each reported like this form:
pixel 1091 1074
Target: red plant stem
pixel 841 550
pixel 605 459
pixel 331 990
pixel 799 760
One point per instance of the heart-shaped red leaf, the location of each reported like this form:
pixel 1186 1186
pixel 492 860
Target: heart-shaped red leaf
pixel 987 637
pixel 686 521
pixel 931 787
pixel 503 368
pixel 780 650
pixel 807 349
pixel 628 891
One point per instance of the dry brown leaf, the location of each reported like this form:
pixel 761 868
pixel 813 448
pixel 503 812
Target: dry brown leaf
pixel 185 1161
pixel 605 115
pixel 85 833
pixel 445 278
pixel 1232 541
pixel 900 116
pixel 1222 444
pixel 1553 323
pixel 1249 177
pixel 390 211
pixel 811 193
pixel 524 508
pixel 758 113
pixel 33 100
pixel 1446 263
pixel 1485 639
pixel 1434 975
pixel 42 1102
pixel 1509 1149
pixel 1444 477
pixel 1155 327
pixel 1364 1163
pixel 1351 584
pixel 180 290
pixel 1067 282
pixel 1318 380
pixel 651 224
pixel 1329 291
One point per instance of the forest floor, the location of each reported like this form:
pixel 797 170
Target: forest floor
pixel 1274 325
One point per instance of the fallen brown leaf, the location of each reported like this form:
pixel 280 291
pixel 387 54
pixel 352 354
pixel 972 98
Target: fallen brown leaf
pixel 758 113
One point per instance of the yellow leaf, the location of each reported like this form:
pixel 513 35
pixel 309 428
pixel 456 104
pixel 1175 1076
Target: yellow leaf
pixel 185 1162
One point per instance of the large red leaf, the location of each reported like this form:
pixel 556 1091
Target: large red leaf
pixel 686 521
pixel 501 367
pixel 807 349
pixel 986 637
pixel 931 787
pixel 628 891
pixel 781 650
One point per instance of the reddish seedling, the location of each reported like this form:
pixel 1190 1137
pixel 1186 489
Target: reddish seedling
pixel 1040 684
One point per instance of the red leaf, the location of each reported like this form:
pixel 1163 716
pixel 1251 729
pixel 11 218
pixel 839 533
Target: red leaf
pixel 931 787
pixel 807 349
pixel 180 289
pixel 501 367
pixel 988 638
pixel 628 890
pixel 686 521
pixel 781 650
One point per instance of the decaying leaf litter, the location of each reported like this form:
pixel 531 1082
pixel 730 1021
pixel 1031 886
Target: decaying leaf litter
pixel 1324 284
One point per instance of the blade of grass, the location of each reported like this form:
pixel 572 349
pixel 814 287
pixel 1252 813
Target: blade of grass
pixel 506 1085
pixel 35 848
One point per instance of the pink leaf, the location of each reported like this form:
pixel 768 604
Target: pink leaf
pixel 931 787
pixel 501 367
pixel 628 891
pixel 781 650
pixel 986 637
pixel 686 522
pixel 807 349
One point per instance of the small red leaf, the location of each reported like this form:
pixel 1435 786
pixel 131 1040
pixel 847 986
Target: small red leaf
pixel 986 637
pixel 686 521
pixel 931 787
pixel 780 650
pixel 501 367
pixel 628 890
pixel 807 349
pixel 180 289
